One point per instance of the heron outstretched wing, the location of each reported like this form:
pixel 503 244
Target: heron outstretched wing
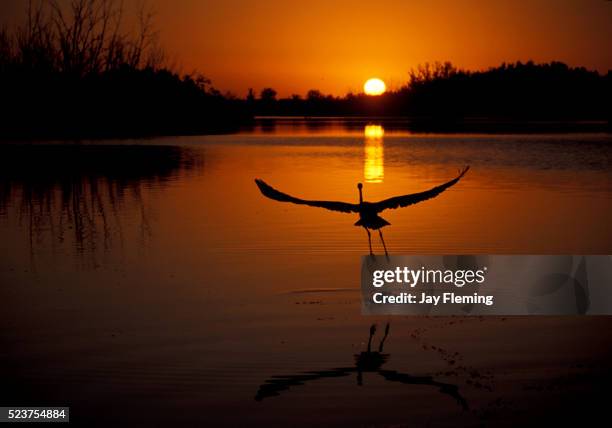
pixel 405 200
pixel 277 195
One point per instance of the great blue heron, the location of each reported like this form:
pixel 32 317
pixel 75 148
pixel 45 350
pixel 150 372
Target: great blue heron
pixel 368 211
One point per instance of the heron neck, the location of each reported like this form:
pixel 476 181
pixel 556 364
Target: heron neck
pixel 360 197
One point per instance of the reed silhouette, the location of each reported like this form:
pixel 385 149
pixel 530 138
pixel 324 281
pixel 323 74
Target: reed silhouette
pixel 368 211
pixel 365 362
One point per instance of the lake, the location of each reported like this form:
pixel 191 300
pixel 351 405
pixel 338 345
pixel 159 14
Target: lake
pixel 149 281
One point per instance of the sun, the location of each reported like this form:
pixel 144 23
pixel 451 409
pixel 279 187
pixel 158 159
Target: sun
pixel 374 86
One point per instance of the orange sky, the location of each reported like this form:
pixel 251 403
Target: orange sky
pixel 334 46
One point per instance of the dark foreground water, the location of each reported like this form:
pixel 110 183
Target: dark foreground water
pixel 144 282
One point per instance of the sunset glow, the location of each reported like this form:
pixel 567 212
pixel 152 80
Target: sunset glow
pixel 271 43
pixel 305 213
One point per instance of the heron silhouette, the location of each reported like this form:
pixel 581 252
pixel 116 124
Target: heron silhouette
pixel 368 211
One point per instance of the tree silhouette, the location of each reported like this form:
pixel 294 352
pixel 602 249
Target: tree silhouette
pixel 268 95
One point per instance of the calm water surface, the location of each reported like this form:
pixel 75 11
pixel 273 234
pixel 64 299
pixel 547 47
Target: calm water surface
pixel 152 278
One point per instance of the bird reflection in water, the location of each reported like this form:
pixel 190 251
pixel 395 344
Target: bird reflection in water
pixel 374 155
pixel 366 362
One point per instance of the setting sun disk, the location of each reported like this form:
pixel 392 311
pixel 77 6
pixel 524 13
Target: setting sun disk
pixel 374 86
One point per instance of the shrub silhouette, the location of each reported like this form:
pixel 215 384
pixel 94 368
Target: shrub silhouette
pixel 75 72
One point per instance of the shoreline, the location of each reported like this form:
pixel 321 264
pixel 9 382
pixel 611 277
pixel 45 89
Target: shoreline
pixel 474 125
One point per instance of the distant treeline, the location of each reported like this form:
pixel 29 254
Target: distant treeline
pixel 440 91
pixel 74 71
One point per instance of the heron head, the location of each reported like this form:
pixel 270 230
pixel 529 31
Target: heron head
pixel 359 186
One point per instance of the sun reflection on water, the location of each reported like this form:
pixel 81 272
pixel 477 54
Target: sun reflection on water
pixel 374 156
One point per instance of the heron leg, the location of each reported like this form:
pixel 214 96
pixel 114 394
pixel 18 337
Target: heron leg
pixel 369 241
pixel 383 242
